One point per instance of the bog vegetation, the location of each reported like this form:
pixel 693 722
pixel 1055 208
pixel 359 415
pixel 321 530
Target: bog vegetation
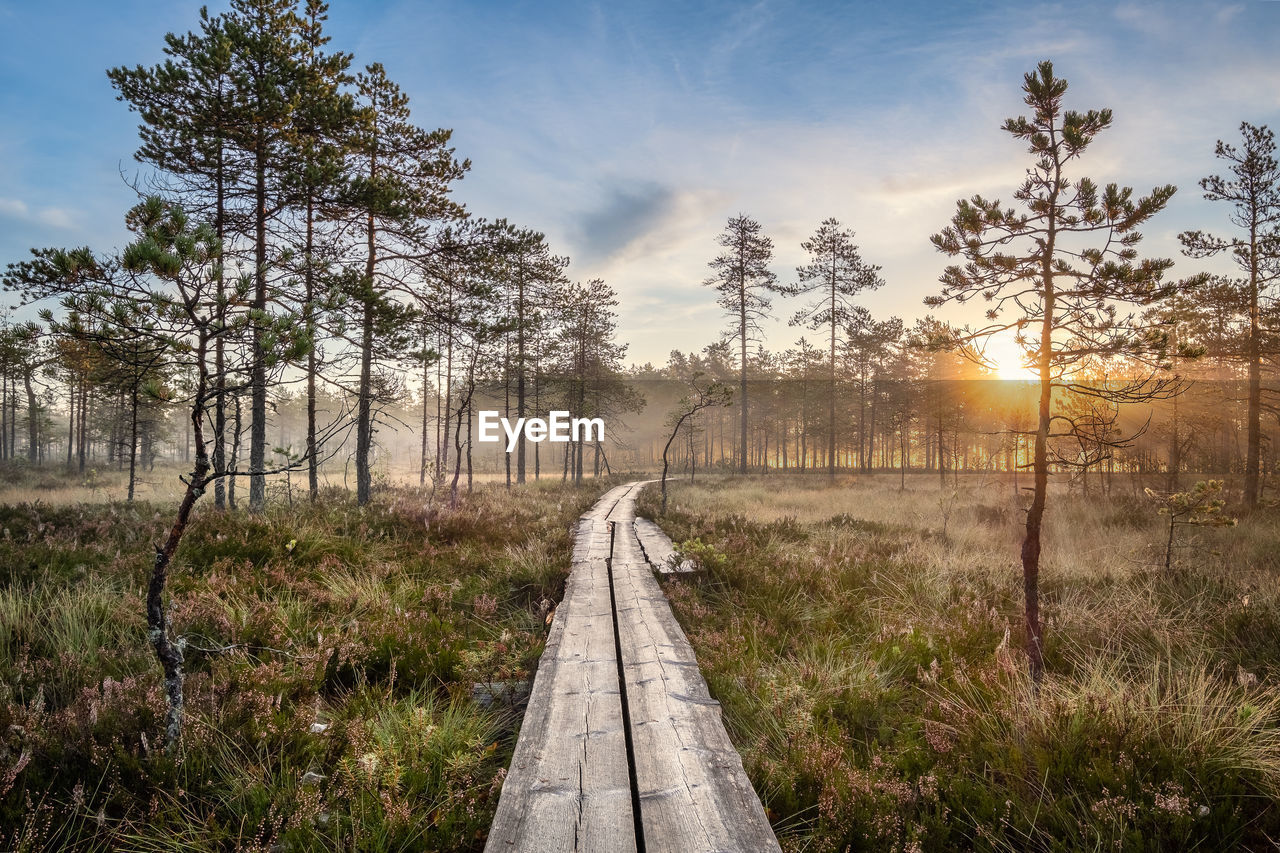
pixel 349 672
pixel 863 643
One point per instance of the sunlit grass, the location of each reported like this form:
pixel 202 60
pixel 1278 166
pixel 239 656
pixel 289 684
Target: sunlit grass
pixel 331 654
pixel 866 644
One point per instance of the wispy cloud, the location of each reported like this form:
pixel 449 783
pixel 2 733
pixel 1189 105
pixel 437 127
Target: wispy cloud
pixel 55 217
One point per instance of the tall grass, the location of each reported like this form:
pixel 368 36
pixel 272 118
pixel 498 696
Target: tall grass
pixel 331 657
pixel 866 646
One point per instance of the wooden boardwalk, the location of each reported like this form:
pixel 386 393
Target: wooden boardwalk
pixel 622 747
pixel 657 548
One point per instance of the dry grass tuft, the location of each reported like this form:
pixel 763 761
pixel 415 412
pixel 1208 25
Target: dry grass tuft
pixel 865 643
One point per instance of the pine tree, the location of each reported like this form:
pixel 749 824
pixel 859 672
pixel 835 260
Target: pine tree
pixel 703 394
pixel 1038 265
pixel 742 277
pixel 590 362
pixel 531 273
pixel 24 352
pixel 316 146
pixel 190 109
pixel 267 71
pixel 133 358
pixel 1255 194
pixel 399 190
pixel 836 273
pixel 869 342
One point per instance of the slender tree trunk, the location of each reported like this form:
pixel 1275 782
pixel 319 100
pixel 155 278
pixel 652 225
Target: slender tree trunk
pixel 170 654
pixel 115 442
pixel 448 381
pixel 520 353
pixel 313 461
pixel 537 405
pixel 71 420
pixel 862 419
pixel 693 456
pixel 1035 515
pixel 33 419
pixel 258 380
pixel 506 405
pixel 81 449
pixel 234 462
pixel 133 444
pixel 219 354
pixel 742 377
pixel 426 377
pixel 1175 449
pixel 1252 462
pixel 442 407
pixel 831 403
pixel 902 462
pixel 871 433
pixel 595 471
pixel 220 485
pixel 942 466
pixel 582 402
pixel 665 449
pixel 4 412
pixel 364 422
pixel 457 455
pixel 13 417
pixel 1031 544
pixel 804 424
pixel 364 416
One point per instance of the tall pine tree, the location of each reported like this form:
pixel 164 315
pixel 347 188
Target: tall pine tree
pixel 1060 267
pixel 835 274
pixel 1254 191
pixel 741 275
pixel 316 145
pixel 399 191
pixel 189 109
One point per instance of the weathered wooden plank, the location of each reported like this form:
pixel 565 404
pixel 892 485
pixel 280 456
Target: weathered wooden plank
pixel 606 505
pixel 694 793
pixel 658 549
pixel 568 786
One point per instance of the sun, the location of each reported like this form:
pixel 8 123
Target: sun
pixel 1008 359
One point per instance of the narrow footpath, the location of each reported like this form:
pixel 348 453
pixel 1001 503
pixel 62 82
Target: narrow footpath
pixel 622 747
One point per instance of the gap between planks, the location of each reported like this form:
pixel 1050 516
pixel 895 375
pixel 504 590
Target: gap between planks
pixel 570 785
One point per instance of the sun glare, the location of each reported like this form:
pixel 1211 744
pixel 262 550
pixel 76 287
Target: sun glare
pixel 1008 359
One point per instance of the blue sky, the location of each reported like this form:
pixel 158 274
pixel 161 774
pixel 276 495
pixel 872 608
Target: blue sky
pixel 629 132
